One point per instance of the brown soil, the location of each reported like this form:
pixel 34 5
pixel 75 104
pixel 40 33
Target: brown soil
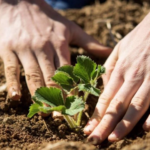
pixel 17 132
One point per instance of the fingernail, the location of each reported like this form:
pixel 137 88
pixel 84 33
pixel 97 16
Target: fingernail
pixel 94 140
pixel 15 95
pixel 113 137
pixel 146 126
pixel 87 129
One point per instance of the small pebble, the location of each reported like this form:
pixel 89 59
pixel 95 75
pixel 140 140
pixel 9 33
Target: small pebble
pixel 1 120
pixel 62 127
pixel 54 137
pixel 8 120
pixel 57 121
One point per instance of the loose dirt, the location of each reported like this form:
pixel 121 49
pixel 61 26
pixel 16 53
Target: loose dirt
pixel 108 23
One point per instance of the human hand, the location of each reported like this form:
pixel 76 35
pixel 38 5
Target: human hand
pixel 126 95
pixel 37 36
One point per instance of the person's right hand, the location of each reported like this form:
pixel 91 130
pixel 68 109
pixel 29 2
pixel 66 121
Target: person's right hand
pixel 34 34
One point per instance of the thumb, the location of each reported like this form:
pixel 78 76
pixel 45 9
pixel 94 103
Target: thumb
pixel 80 38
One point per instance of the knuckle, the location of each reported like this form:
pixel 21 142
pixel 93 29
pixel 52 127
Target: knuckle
pixel 39 43
pixel 144 56
pixel 124 123
pixel 11 70
pixel 104 99
pixel 121 63
pixel 11 73
pixel 61 42
pixel 138 103
pixel 36 8
pixel 116 104
pixel 96 115
pixel 137 72
pixel 34 75
pixel 12 84
pixel 48 81
pixel 7 43
pixel 119 70
pixel 52 84
pixel 24 42
pixel 105 126
pixel 62 39
pixel 48 78
pixel 109 69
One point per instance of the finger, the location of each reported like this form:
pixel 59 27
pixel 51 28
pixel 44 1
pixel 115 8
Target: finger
pixel 80 38
pixel 146 125
pixel 33 73
pixel 115 111
pixel 45 59
pixel 59 40
pixel 12 75
pixel 110 91
pixel 137 108
pixel 62 56
pixel 110 65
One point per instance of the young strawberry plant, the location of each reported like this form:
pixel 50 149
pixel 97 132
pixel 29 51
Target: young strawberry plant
pixel 72 79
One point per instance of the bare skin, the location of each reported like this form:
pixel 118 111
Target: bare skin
pixel 36 36
pixel 126 96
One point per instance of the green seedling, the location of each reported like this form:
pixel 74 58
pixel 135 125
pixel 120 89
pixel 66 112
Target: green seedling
pixel 72 79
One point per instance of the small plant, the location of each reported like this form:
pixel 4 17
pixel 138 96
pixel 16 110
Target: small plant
pixel 72 79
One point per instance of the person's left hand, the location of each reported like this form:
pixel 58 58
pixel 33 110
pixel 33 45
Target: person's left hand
pixel 126 96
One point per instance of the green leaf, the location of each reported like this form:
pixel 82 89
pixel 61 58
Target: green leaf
pixel 45 109
pixel 73 105
pixel 51 96
pixel 99 71
pixel 64 80
pixel 36 101
pixel 34 108
pixel 89 88
pixel 85 68
pixel 103 69
pixel 60 108
pixel 69 70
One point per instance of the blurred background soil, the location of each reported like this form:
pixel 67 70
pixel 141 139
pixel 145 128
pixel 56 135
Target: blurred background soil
pixel 108 22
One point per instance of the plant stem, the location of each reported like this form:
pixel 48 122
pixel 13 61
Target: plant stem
pixel 79 118
pixel 86 94
pixel 71 122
